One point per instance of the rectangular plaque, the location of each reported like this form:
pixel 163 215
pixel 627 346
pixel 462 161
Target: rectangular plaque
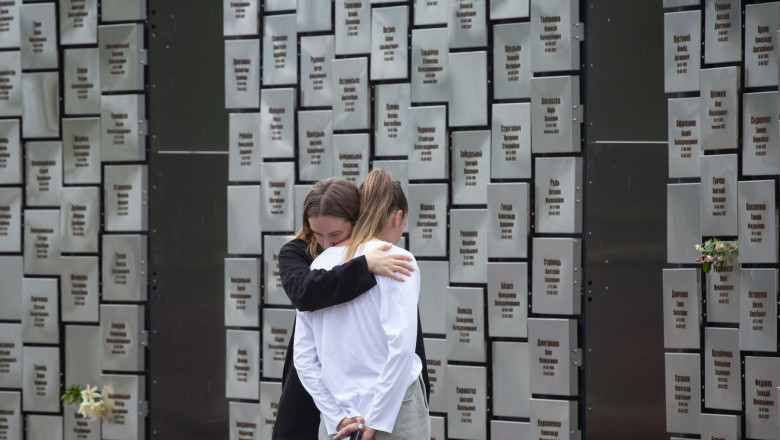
pixel 427 143
pixel 82 355
pixel 44 173
pixel 436 360
pixel 679 3
pixel 430 61
pixel 470 162
pixel 245 421
pixel 276 194
pixel 78 427
pixel 427 219
pixel 507 299
pixel 467 397
pixel 760 134
pixel 122 57
pixel 280 50
pixel 315 145
pixel 437 428
pixel 466 324
pixel 11 357
pixel 762 21
pixel 468 88
pixel 722 31
pixel 556 277
pixel 507 430
pixel 684 137
pixel 10 219
pixel 722 369
pixel 124 267
pixel 81 81
pixel 122 337
pixel 553 359
pixel 555 127
pixel 392 123
pixel 429 12
pixel 315 82
pixel 240 18
pixel 123 10
pixel 758 309
pixel 683 203
pixel 719 107
pixel 81 151
pixel 399 170
pixel 242 73
pixel 79 286
pixel 242 292
pixel 122 128
pixel 723 293
pixel 9 30
pixel 11 276
pixel 353 27
pixel 38 27
pixel 551 417
pixel 277 123
pixel 273 292
pixel 467 23
pixel 41 427
pixel 11 76
pixel 682 51
pixel 757 222
pixel 242 377
pixel 42 242
pixel 559 194
pixel 277 334
pixel 389 43
pixel 504 9
pixel 682 308
pixel 40 105
pixel 128 416
pixel 270 394
pixel 762 374
pixel 299 193
pixel 468 245
pixel 683 392
pixel 433 295
pixel 511 381
pixel 508 225
pixel 314 15
pixel 554 35
pixel 40 311
pixel 11 410
pixel 511 141
pixel 10 152
pixel 351 98
pixel 244 147
pixel 244 230
pixel 41 380
pixel 721 426
pixel 80 219
pixel 350 156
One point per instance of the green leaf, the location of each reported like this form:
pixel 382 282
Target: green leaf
pixel 706 266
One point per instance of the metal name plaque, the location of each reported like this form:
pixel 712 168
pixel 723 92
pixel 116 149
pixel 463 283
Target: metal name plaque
pixel 276 191
pixel 468 245
pixel 242 292
pixel 508 225
pixel 679 3
pixel 315 82
pixel 436 360
pixel 122 337
pixel 468 88
pixel 40 311
pixel 682 308
pixel 240 18
pixel 758 310
pixel 721 426
pixel 553 356
pixel 280 50
pixel 391 126
pixel 467 397
pixel 722 369
pixel 350 89
pixel 470 163
pixel 277 331
pixel 433 295
pixel 244 230
pixel 437 428
pixel 510 156
pixel 273 290
pixel 760 134
pixel 123 10
pixel 41 380
pixel 11 77
pixel 350 156
pixel 429 12
pixel 124 267
pixel 122 57
pixel 465 324
pixel 428 143
pixel 559 195
pixel 11 414
pixel 38 27
pixel 467 23
pixel 244 147
pixel 270 394
pixel 757 222
pixel 683 392
pixel 389 43
pixel 81 151
pixel 44 173
pixel 82 355
pixel 511 381
pixel 11 219
pixel 555 127
pixel 555 35
pixel 11 357
pixel 682 51
pixel 80 219
pixel 81 81
pixel 556 277
pixel 501 9
pixel 42 242
pixel 125 197
pixel 762 374
pixel 128 416
pixel 314 15
pixel 242 377
pixel 762 21
pixel 280 5
pixel 40 105
pixel 79 299
pixel 399 170
pixel 9 28
pixel 682 204
pixel 78 427
pixel 299 193
pixel 722 31
pixel 353 27
pixel 684 137
pixel 41 427
pixel 242 73
pixel 507 297
pixel 723 293
pixel 719 104
pixel 245 421
pixel 10 151
pixel 122 128
pixel 430 61
pixel 550 417
pixel 11 276
pixel 506 430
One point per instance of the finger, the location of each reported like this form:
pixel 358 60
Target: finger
pixel 403 270
pixel 402 257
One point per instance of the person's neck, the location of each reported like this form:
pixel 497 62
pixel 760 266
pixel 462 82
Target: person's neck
pixel 384 235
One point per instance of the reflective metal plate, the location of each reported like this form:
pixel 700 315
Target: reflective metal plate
pixel 277 123
pixel 682 308
pixel 682 204
pixel 551 418
pixel 719 195
pixel 552 345
pixel 432 303
pixel 40 312
pixel 11 360
pixel 436 360
pixel 123 337
pixel 392 123
pixel 82 355
pixel 511 381
pixel 508 226
pixel 758 309
pixel 762 21
pixel 44 173
pixel 468 245
pixel 42 242
pixel 722 31
pixel 760 133
pixel 270 393
pixel 300 193
pixel 507 299
pixel 242 73
pixel 353 27
pixel 244 148
pixel 80 219
pixel 79 282
pixel 350 89
pixel 11 219
pixel 470 159
pixel 315 145
pixel 682 51
pixel 273 292
pixel 11 407
pixel 277 331
pixel 427 143
pixel 684 137
pixel 724 426
pixel 468 88
pixel 427 220
pixel 11 275
pixel 559 195
pixel 507 430
pixel 719 107
pixel 240 18
pixel 762 374
pixel 242 292
pixel 757 222
pixel 81 150
pixel 465 325
pixel 350 156
pixel 467 396
pixel 127 392
pixel 511 141
pixel 77 427
pixel 122 128
pixel 40 105
pixel 81 79
pixel 554 125
pixel 123 10
pixel 430 65
pixel 38 27
pixel 41 381
pixel 9 29
pixel 245 421
pixel 723 293
pixel 124 267
pixel 556 277
pixel 429 12
pixel 467 23
pixel 437 428
pixel 314 15
pixel 10 152
pixel 722 369
pixel 41 427
pixel 122 57
pixel 683 392
pixel 389 43
pixel 243 210
pixel 242 365
pixel 276 191
pixel 555 45
pixel 315 82
pixel 11 76
pixel 501 9
pixel 280 50
pixel 125 198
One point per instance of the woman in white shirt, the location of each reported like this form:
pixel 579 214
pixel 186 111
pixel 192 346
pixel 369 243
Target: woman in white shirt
pixel 357 360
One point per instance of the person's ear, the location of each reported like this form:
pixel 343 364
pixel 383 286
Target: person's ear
pixel 398 218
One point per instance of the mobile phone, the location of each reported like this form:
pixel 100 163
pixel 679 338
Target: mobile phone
pixel 356 435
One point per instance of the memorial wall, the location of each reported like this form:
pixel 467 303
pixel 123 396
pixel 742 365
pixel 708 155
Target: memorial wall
pixel 73 216
pixel 720 320
pixel 475 106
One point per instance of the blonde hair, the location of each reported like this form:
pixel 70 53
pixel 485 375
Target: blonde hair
pixel 334 197
pixel 380 196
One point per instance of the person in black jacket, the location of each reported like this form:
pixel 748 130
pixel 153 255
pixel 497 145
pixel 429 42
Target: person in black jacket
pixel 333 205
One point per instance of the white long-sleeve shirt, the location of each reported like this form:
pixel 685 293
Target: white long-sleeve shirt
pixel 358 358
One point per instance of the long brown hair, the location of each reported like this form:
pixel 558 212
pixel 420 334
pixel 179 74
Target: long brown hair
pixel 334 197
pixel 380 196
